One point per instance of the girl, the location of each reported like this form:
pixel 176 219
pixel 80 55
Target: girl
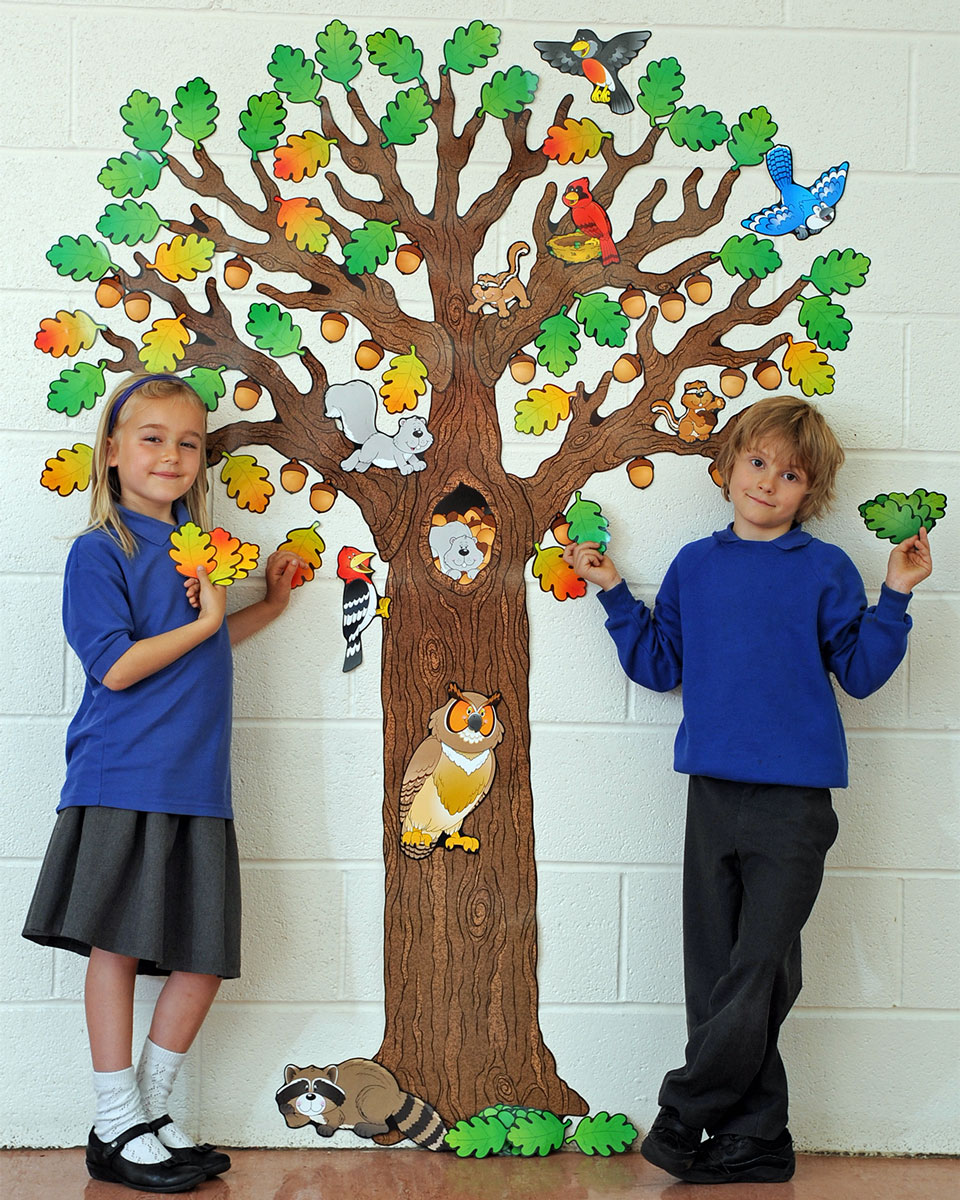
pixel 142 873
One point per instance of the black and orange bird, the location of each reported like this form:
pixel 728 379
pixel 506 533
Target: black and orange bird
pixel 360 601
pixel 591 218
pixel 599 62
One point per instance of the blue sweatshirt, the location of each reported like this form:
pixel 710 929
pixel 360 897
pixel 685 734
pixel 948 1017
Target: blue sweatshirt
pixel 753 630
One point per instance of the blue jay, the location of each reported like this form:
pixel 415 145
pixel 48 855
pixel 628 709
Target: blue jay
pixel 801 210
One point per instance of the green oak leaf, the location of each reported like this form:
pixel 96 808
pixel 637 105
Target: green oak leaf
pixel 370 246
pixel 145 122
pixel 195 112
pixel 209 384
pixel 660 88
pixel 587 522
pixel 748 256
pixel 602 319
pixel 604 1134
pixel 558 343
pixel 697 129
pixel 261 123
pixel 131 174
pixel 838 271
pixel 537 1133
pixel 751 137
pixel 80 258
pixel 470 48
pixel 77 389
pixel 477 1137
pixel 892 517
pixel 338 53
pixel 130 223
pixel 273 330
pixel 507 91
pixel 406 118
pixel 294 75
pixel 824 322
pixel 395 56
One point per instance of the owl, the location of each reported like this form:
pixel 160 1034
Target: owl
pixel 449 773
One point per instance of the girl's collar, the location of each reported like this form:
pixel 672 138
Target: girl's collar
pixel 149 528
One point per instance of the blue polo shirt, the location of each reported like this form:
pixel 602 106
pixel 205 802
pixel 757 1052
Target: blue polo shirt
pixel 163 744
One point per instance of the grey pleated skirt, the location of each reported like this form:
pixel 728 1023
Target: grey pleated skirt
pixel 154 886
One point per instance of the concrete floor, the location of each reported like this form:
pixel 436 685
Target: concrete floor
pixel 420 1175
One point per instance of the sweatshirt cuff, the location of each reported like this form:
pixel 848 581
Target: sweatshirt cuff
pixel 892 606
pixel 617 599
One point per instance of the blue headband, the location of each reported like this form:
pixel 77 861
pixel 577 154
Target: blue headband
pixel 128 392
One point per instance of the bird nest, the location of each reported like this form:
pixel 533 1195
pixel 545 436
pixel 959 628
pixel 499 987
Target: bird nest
pixel 575 247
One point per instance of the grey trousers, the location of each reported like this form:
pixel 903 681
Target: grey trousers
pixel 753 865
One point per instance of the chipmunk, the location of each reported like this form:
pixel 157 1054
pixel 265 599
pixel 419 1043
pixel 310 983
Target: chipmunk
pixel 499 290
pixel 700 419
pixel 359 1095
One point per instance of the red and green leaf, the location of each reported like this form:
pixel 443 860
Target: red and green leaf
pixel 67 333
pixel 555 575
pixel 302 155
pixel 301 220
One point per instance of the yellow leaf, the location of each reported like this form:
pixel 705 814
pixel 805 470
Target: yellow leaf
pixel 192 549
pixel 70 469
pixel 404 383
pixel 164 344
pixel 308 544
pixel 183 257
pixel 808 368
pixel 247 482
pixel 249 557
pixel 544 408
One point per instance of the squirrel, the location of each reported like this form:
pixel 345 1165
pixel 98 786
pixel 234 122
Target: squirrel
pixel 501 288
pixel 354 406
pixel 359 1095
pixel 700 419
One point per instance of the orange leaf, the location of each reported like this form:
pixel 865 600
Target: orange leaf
pixel 192 549
pixel 249 557
pixel 554 574
pixel 70 469
pixel 67 333
pixel 247 482
pixel 573 141
pixel 308 544
pixel 302 154
pixel 226 549
pixel 404 383
pixel 302 223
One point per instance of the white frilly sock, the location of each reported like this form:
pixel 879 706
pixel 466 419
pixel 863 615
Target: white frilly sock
pixel 118 1107
pixel 156 1074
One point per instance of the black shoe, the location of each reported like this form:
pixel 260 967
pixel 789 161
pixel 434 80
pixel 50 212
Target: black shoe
pixel 205 1158
pixel 104 1162
pixel 734 1158
pixel 670 1144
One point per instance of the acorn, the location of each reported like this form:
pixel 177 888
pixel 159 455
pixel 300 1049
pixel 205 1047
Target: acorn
pixel 673 306
pixel 640 472
pixel 767 374
pixel 333 326
pixel 699 288
pixel 523 367
pixel 732 381
pixel 109 291
pixel 236 272
pixel 627 368
pixel 560 527
pixel 322 496
pixel 369 355
pixel 293 475
pixel 136 305
pixel 246 393
pixel 633 302
pixel 715 474
pixel 408 258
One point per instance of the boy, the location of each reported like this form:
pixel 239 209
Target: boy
pixel 752 621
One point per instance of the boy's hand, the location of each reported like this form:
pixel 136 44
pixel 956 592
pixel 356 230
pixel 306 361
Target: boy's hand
pixel 281 568
pixel 909 563
pixel 590 563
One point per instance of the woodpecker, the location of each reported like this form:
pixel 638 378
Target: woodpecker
pixel 360 601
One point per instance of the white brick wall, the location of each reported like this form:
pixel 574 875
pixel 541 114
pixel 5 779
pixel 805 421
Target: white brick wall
pixel 872 1048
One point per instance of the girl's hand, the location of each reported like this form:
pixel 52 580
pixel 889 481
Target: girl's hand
pixel 591 564
pixel 211 600
pixel 192 588
pixel 281 568
pixel 909 563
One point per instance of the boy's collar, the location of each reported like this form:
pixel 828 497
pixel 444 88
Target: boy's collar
pixel 149 528
pixel 791 540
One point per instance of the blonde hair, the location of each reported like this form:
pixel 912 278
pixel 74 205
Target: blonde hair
pixel 807 438
pixel 104 480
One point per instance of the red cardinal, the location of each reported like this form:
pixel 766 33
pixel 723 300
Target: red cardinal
pixel 591 218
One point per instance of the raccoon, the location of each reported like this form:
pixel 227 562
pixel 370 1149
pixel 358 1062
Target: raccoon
pixel 358 1094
